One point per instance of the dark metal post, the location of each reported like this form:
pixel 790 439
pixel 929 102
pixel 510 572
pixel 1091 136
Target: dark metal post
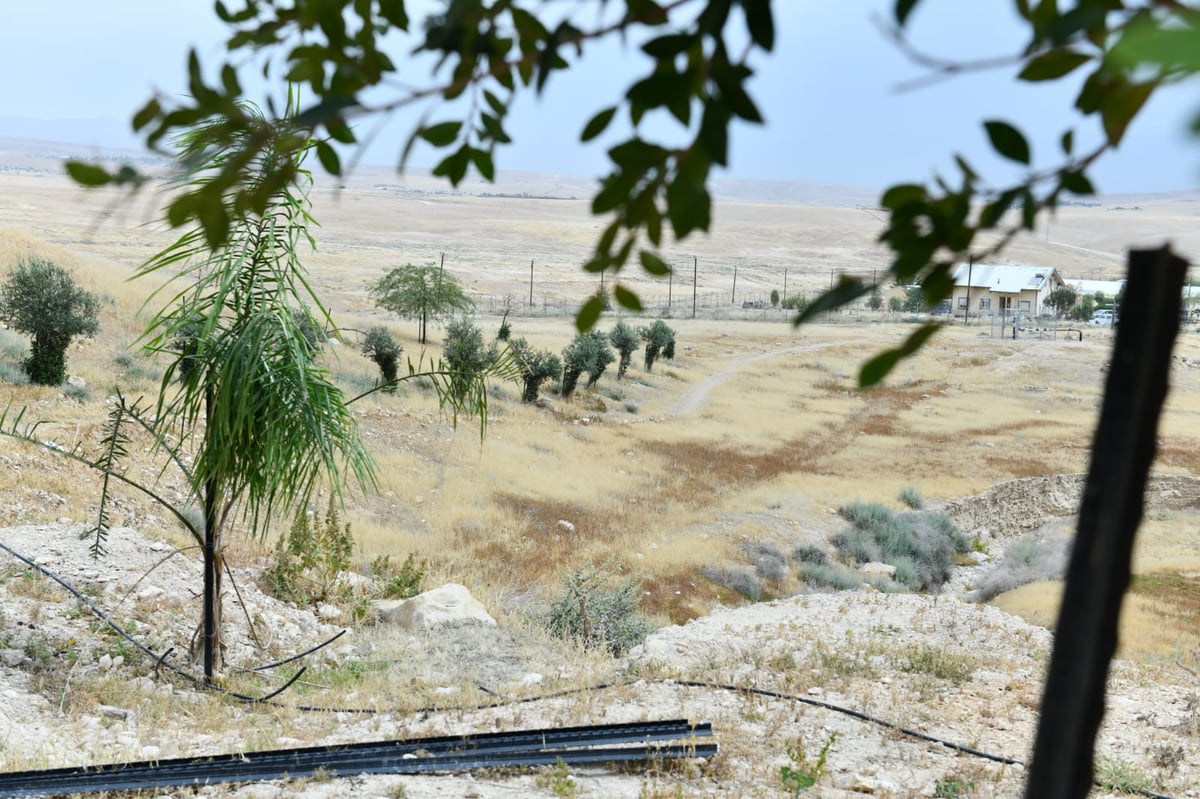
pixel 670 285
pixel 733 296
pixel 211 597
pixel 784 286
pixel 531 283
pixel 695 267
pixel 1098 575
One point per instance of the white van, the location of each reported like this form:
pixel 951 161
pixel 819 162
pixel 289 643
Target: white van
pixel 1103 317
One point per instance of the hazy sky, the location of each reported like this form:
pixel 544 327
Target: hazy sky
pixel 829 92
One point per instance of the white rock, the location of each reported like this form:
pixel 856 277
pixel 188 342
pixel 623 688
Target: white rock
pixel 105 663
pixel 327 612
pixel 448 604
pixel 875 567
pixel 532 678
pixel 150 592
pixel 566 526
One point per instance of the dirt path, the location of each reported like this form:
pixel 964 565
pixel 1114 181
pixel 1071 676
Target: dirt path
pixel 696 397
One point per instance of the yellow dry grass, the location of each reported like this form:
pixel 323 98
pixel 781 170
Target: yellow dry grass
pixel 755 432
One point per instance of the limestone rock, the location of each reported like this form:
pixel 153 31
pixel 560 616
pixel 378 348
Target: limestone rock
pixel 446 605
pixel 877 568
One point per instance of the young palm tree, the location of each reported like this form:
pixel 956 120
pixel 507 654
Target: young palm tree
pixel 243 384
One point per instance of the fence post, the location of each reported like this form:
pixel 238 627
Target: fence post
pixel 1085 637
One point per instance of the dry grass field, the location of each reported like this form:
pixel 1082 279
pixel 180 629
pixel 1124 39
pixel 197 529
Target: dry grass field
pixel 754 434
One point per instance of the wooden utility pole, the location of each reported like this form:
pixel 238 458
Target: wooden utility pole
pixel 531 283
pixel 784 286
pixel 733 297
pixel 670 284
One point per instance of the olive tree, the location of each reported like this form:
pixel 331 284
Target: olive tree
pixel 42 299
pixel 588 352
pixel 535 367
pixel 421 293
pixel 380 346
pixel 466 356
pixel 659 338
pixel 627 341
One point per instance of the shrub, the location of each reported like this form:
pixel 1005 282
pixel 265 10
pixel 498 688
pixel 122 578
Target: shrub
pixel 42 299
pixel 310 557
pixel 825 575
pixel 399 583
pixel 599 613
pixel 810 553
pixel 380 347
pixel 310 328
pixel 79 393
pixel 13 374
pixel 796 302
pixel 911 497
pixel 769 561
pixel 1026 560
pixel 742 579
pixel 920 544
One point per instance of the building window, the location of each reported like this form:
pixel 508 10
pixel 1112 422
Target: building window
pixel 985 303
pixel 962 302
pixel 1024 305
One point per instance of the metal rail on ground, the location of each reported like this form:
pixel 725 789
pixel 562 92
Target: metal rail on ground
pixel 573 745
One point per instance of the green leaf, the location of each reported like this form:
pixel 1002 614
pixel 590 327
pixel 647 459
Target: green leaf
pixel 903 194
pixel 589 314
pixel 760 22
pixel 329 158
pixel 626 298
pixel 147 114
pixel 847 290
pixel 1007 140
pixel 1147 42
pixel 597 124
pixel 902 9
pixel 1077 183
pixel 1121 105
pixel 484 163
pixel 878 367
pixel 88 174
pixel 1053 65
pixel 991 214
pixel 669 46
pixel 653 264
pixel 1068 142
pixel 442 134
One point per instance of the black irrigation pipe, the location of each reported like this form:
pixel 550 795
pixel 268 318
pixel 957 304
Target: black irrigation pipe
pixel 266 699
pixel 159 658
pixel 572 745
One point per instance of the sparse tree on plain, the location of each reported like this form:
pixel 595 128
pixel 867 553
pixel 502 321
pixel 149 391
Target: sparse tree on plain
pixel 41 299
pixel 421 293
